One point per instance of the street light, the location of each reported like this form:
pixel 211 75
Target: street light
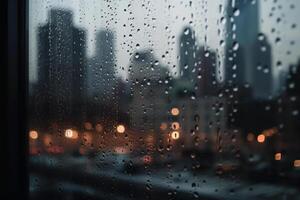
pixel 69 133
pixel 33 135
pixel 261 138
pixel 297 163
pixel 175 135
pixel 120 128
pixel 72 134
pixel 277 156
pixel 175 111
pixel 175 125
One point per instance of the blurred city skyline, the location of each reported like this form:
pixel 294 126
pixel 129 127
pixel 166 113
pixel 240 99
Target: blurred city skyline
pixel 94 17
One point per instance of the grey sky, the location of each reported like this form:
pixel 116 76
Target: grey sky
pixel 94 15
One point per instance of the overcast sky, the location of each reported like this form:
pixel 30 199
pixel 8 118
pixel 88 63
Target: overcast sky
pixel 159 20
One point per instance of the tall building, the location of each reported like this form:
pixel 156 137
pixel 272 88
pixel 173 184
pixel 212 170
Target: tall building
pixel 248 52
pixel 206 81
pixel 197 65
pixel 291 111
pixel 61 69
pixel 194 93
pixel 102 79
pixel 262 71
pixel 242 27
pixel 188 54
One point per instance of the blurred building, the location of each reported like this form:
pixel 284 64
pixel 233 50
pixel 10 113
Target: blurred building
pixel 262 72
pixel 197 65
pixel 101 73
pixel 188 54
pixel 247 51
pixel 61 69
pixel 289 114
pixel 200 117
pixel 148 83
pixel 241 34
pixel 206 80
pixel 194 93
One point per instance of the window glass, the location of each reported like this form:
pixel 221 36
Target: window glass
pixel 162 99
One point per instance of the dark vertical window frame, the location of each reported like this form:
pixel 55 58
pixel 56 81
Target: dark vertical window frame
pixel 15 136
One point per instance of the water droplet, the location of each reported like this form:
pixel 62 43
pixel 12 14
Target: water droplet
pixel 186 31
pixel 236 12
pixel 235 46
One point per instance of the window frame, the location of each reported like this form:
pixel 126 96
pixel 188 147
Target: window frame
pixel 15 137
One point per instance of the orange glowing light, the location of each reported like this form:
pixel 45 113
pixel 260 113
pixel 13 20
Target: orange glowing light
pixel 175 111
pixel 33 135
pixel 175 125
pixel 261 138
pixel 75 135
pixel 120 128
pixel 297 163
pixel 278 156
pixel 175 135
pixel 69 133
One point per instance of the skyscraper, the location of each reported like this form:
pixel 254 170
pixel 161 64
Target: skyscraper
pixel 206 72
pixel 248 52
pixel 188 57
pixel 102 79
pixel 262 71
pixel 61 68
pixel 242 28
pixel 197 64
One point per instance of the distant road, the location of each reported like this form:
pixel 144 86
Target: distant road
pixel 157 185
